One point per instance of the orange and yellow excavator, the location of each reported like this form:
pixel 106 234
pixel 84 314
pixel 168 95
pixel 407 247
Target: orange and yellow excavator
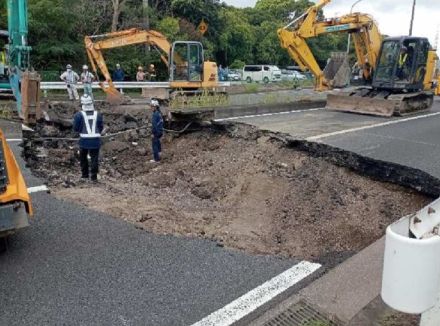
pixel 400 70
pixel 188 70
pixel 15 202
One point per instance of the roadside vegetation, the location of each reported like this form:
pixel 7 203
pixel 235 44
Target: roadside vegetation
pixel 234 36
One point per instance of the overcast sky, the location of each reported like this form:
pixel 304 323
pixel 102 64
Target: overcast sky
pixel 393 16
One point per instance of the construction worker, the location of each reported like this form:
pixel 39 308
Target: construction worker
pixel 151 72
pixel 118 75
pixel 71 78
pixel 403 58
pixel 89 124
pixel 14 80
pixel 87 79
pixel 2 62
pixel 157 130
pixel 140 75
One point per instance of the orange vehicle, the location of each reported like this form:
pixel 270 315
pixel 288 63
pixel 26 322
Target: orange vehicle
pixel 15 202
pixel 188 70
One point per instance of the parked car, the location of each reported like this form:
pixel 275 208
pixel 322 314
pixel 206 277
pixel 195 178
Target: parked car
pixel 292 75
pixel 234 75
pixel 261 73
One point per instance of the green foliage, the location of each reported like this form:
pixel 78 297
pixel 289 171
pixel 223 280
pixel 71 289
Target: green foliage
pixel 237 64
pixel 281 9
pixel 251 88
pixel 169 26
pixel 235 37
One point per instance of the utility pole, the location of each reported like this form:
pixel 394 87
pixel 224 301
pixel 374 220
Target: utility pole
pixel 146 14
pixel 412 17
pixel 146 23
pixel 349 34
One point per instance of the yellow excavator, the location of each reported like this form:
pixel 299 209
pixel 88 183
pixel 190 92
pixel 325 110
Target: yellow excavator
pixel 400 70
pixel 188 70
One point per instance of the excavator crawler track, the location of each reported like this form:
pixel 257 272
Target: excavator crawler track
pixel 370 102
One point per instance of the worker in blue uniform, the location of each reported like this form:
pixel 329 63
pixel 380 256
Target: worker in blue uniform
pixel 157 130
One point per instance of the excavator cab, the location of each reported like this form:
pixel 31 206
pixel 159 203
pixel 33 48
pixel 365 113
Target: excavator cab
pixel 402 81
pixel 187 62
pixel 402 64
pixel 188 69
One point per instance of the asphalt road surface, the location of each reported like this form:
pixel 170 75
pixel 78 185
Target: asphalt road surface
pixel 73 266
pixel 412 141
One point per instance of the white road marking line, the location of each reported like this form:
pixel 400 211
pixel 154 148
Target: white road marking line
pixel 257 297
pixel 267 114
pixel 37 189
pixel 336 133
pixel 14 140
pixel 26 128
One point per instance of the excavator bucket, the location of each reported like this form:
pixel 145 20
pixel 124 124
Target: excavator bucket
pixel 337 70
pixel 30 93
pixel 114 99
pixel 357 104
pixel 112 95
pixel 15 202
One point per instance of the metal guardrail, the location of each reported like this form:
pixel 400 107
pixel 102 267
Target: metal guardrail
pixel 124 85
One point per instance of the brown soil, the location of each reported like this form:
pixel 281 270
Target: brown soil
pixel 400 319
pixel 240 188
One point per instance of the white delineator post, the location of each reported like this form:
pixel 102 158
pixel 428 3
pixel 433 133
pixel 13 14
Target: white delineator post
pixel 411 275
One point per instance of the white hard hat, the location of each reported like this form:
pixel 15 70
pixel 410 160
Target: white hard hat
pixel 154 103
pixel 85 67
pixel 87 103
pixel 69 67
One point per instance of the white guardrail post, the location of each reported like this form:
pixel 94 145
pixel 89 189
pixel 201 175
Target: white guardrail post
pixel 411 272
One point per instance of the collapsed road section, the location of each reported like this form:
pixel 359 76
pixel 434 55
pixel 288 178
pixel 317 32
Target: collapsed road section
pixel 234 184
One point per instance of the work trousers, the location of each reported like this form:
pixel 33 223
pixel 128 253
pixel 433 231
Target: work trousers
pixel 88 89
pixel 94 162
pixel 72 91
pixel 157 148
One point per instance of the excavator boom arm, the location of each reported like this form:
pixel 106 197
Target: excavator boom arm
pixel 366 37
pixel 96 44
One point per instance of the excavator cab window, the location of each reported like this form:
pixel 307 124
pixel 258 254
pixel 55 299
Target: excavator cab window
pixel 420 61
pixel 179 62
pixel 402 63
pixel 387 61
pixel 187 61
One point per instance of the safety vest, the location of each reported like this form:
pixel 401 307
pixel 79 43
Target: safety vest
pixel 402 59
pixel 3 57
pixel 87 77
pixel 90 122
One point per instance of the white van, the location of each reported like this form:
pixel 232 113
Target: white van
pixel 261 73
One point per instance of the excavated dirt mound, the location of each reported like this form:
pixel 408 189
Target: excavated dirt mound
pixel 234 185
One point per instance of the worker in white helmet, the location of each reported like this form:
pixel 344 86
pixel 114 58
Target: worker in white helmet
pixel 89 124
pixel 71 78
pixel 156 130
pixel 87 79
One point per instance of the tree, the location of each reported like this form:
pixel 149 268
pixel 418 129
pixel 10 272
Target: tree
pixel 118 5
pixel 237 38
pixel 268 49
pixel 92 19
pixel 52 34
pixel 281 9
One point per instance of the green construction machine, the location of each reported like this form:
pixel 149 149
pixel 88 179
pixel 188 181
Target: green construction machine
pixel 16 75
